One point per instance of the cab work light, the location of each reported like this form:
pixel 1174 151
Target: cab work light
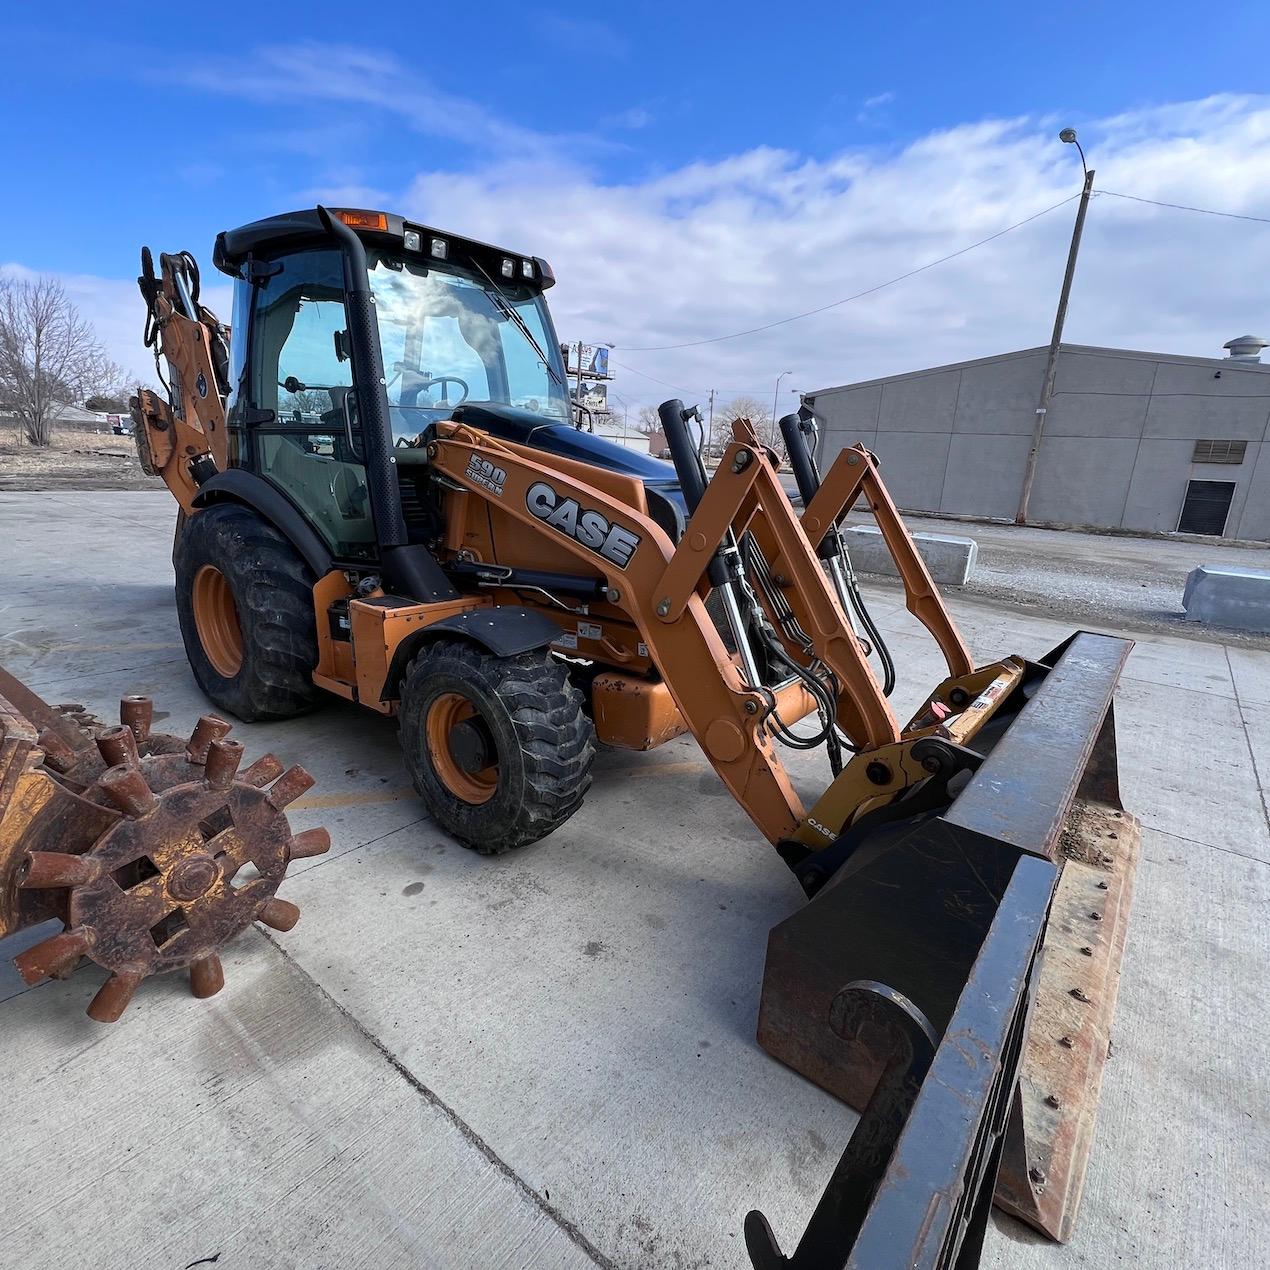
pixel 439 248
pixel 509 268
pixel 412 240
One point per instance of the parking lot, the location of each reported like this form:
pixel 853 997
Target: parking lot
pixel 548 1059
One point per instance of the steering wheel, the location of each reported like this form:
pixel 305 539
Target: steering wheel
pixel 349 493
pixel 447 379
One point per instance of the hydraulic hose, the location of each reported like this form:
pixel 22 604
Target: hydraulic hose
pixel 799 433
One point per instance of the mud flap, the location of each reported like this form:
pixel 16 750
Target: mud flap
pixel 949 911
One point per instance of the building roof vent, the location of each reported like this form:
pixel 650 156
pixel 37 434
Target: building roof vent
pixel 1246 348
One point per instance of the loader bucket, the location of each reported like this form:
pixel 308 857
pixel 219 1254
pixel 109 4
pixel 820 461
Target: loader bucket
pixel 955 982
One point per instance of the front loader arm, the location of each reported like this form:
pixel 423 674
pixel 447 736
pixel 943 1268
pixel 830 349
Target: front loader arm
pixel 174 437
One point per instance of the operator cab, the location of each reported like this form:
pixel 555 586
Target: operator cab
pixel 461 331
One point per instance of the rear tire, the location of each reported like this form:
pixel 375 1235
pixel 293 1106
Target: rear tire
pixel 523 764
pixel 244 599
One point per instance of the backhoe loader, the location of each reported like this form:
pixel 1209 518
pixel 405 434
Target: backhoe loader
pixel 384 497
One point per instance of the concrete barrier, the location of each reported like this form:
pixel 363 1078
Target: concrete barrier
pixel 951 560
pixel 1228 595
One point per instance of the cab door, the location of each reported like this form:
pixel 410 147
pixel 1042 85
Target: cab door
pixel 300 382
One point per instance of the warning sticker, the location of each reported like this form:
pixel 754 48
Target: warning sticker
pixel 567 640
pixel 590 630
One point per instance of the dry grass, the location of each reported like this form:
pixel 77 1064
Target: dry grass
pixel 78 458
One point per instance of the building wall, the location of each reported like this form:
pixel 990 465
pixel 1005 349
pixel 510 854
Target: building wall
pixel 1118 441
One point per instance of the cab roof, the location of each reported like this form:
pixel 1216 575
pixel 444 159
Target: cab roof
pixel 289 231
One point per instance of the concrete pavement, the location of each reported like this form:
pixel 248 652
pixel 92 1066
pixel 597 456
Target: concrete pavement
pixel 548 1059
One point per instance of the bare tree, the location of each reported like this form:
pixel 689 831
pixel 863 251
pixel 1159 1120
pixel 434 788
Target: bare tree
pixel 649 422
pixel 759 415
pixel 49 355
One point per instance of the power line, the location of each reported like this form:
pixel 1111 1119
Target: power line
pixel 859 295
pixel 1182 207
pixel 689 392
pixel 716 339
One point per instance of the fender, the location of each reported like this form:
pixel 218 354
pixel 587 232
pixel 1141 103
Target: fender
pixel 504 630
pixel 238 486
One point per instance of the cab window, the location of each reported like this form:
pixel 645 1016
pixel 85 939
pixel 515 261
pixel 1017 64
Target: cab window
pixel 311 449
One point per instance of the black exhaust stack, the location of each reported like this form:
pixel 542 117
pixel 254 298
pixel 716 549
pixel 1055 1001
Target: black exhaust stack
pixel 408 570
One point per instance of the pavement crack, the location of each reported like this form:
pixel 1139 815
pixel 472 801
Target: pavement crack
pixel 79 1053
pixel 1208 846
pixel 330 857
pixel 470 1135
pixel 1252 754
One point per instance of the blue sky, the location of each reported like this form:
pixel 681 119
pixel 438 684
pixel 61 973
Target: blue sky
pixel 690 169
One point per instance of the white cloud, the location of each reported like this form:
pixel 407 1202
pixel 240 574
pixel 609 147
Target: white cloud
pixel 307 72
pixel 873 109
pixel 715 247
pixel 632 119
pixel 719 247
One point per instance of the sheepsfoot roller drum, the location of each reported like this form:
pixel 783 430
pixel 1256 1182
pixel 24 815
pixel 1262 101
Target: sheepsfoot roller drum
pixel 139 851
pixel 955 980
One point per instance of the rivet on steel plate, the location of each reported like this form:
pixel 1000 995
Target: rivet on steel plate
pixel 1078 994
pixel 1086 951
pixel 1051 1100
pixel 1102 886
pixel 1037 1175
pixel 1066 1042
pixel 1095 917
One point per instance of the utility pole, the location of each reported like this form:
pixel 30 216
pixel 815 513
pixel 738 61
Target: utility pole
pixel 775 398
pixel 1051 364
pixel 707 436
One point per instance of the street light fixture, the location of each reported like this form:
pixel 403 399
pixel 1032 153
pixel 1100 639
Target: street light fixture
pixel 1068 137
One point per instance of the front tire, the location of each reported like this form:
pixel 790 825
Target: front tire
pixel 499 748
pixel 244 599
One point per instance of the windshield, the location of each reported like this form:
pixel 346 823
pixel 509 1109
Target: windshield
pixel 447 340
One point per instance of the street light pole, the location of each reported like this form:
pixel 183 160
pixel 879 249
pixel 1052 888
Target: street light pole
pixel 1068 135
pixel 775 398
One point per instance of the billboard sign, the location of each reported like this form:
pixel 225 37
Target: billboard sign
pixel 595 359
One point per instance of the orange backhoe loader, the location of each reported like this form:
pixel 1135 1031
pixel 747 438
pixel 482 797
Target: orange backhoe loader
pixel 383 496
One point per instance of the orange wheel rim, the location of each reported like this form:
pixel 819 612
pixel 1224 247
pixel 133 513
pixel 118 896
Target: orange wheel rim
pixel 444 715
pixel 216 618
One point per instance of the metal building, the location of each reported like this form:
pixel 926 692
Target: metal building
pixel 1147 441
